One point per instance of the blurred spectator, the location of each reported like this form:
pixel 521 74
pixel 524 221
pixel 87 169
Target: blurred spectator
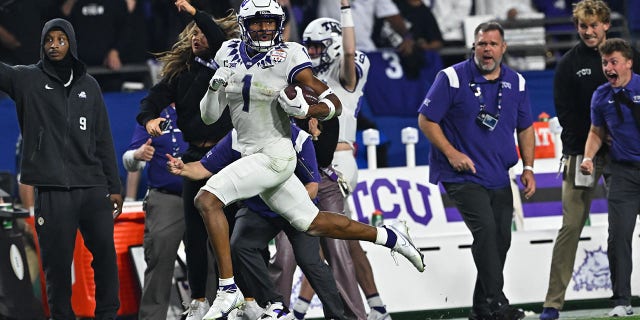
pixel 424 29
pixel 450 15
pixel 20 23
pixel 291 32
pixel 422 23
pixel 304 11
pixel 101 30
pixel 364 14
pixel 557 9
pixel 136 42
pixel 633 19
pixel 217 8
pixel 503 9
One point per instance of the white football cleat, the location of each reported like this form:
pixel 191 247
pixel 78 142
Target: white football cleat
pixel 274 310
pixel 405 246
pixel 196 309
pixel 225 302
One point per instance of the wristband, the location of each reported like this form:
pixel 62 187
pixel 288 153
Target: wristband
pixel 332 109
pixel 530 168
pixel 586 159
pixel 345 7
pixel 346 19
pixel 325 94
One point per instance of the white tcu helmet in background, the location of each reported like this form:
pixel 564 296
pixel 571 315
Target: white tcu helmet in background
pixel 260 9
pixel 328 33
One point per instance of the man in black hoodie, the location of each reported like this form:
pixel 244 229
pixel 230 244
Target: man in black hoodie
pixel 68 155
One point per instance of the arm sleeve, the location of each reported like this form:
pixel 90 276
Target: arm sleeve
pixel 160 96
pixel 138 138
pixel 130 163
pixel 563 99
pixel 214 34
pixel 307 166
pixel 7 74
pixel 105 150
pixel 438 99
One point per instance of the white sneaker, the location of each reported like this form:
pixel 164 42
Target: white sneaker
pixel 405 246
pixel 274 310
pixel 621 311
pixel 196 309
pixel 250 310
pixel 376 315
pixel 224 303
pixel 289 316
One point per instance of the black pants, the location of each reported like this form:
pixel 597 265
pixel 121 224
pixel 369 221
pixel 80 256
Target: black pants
pixel 488 215
pixel 251 236
pixel 624 205
pixel 59 213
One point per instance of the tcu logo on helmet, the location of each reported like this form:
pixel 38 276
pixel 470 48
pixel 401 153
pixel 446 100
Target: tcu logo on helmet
pixel 332 26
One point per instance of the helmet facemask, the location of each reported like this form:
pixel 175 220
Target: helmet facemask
pixel 324 34
pixel 252 10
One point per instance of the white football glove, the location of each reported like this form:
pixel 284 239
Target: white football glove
pixel 296 107
pixel 220 78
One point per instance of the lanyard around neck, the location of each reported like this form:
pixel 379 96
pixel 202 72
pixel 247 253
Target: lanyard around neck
pixel 477 91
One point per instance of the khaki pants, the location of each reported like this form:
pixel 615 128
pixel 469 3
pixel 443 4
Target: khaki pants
pixel 576 203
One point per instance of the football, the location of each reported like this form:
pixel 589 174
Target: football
pixel 307 92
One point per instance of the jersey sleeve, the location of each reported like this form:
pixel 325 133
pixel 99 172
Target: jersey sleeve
pixel 298 61
pixel 597 118
pixel 525 120
pixel 438 99
pixel 362 67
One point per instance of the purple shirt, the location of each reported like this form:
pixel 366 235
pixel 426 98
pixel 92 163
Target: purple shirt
pixel 222 154
pixel 451 102
pixel 625 134
pixel 170 142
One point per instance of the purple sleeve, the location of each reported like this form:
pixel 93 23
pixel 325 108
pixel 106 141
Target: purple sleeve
pixel 220 155
pixel 438 99
pixel 138 138
pixel 596 116
pixel 307 167
pixel 525 120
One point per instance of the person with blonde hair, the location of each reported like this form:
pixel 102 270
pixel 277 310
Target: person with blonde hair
pixel 578 74
pixel 186 71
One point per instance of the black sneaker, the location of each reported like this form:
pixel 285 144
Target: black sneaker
pixel 508 312
pixel 479 315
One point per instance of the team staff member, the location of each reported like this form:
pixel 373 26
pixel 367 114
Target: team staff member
pixel 469 115
pixel 186 73
pixel 614 112
pixel 577 76
pixel 70 159
pixel 164 221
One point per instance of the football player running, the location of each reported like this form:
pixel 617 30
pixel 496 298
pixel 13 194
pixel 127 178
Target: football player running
pixel 252 72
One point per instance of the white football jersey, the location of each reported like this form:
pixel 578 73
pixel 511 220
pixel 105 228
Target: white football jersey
pixel 252 91
pixel 349 99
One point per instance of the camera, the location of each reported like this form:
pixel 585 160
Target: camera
pixel 486 120
pixel 164 125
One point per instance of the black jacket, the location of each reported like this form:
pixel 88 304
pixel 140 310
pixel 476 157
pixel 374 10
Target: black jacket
pixel 577 76
pixel 187 89
pixel 66 134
